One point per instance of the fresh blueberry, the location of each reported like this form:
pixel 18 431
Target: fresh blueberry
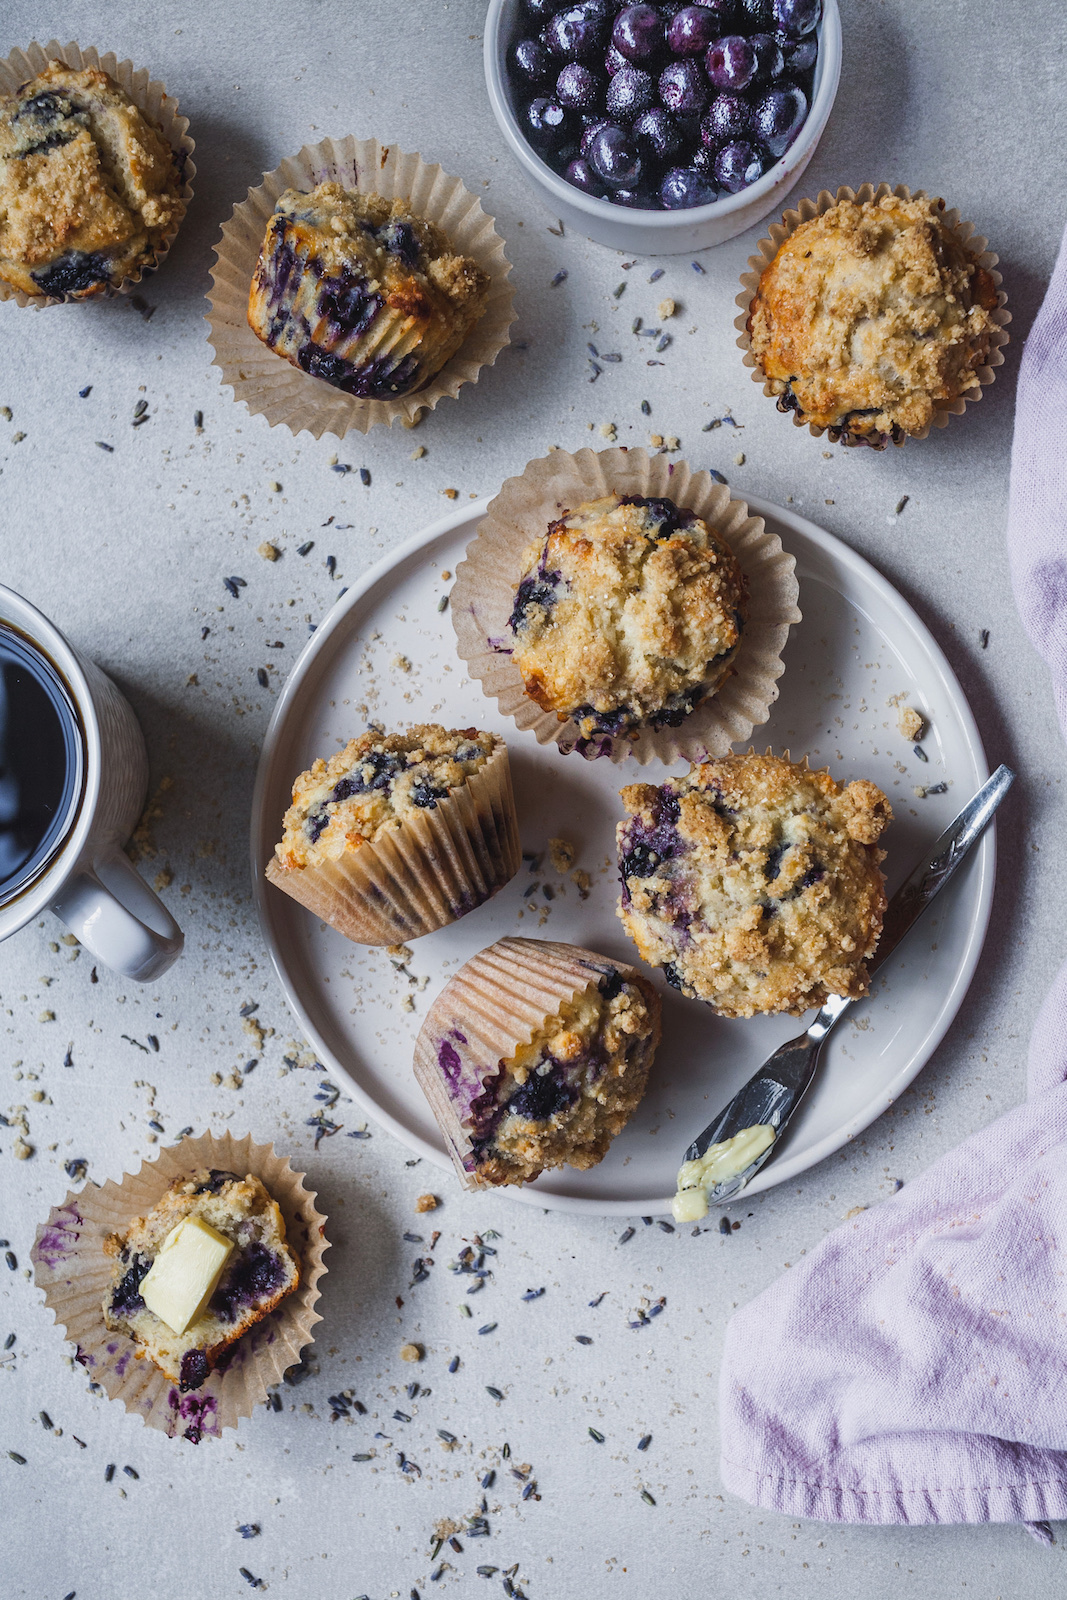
pixel 727 13
pixel 728 117
pixel 796 17
pixel 683 187
pixel 757 14
pixel 738 164
pixel 703 160
pixel 638 33
pixel 683 88
pixel 636 199
pixel 613 154
pixel 779 117
pixel 578 32
pixel 578 87
pixel 657 133
pixel 546 123
pixel 802 56
pixel 691 30
pixel 581 174
pixel 630 91
pixel 530 63
pixel 770 61
pixel 541 10
pixel 613 60
pixel 731 63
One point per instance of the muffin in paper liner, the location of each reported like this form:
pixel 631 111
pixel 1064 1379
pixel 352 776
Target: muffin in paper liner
pixel 494 1005
pixel 73 1272
pixel 423 874
pixel 483 595
pixel 768 248
pixel 151 99
pixel 266 383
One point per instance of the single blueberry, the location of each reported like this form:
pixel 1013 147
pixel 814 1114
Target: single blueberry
pixel 193 1370
pixel 796 17
pixel 802 56
pixel 638 33
pixel 541 10
pixel 530 63
pixel 400 240
pixel 691 30
pixel 683 88
pixel 126 1298
pixel 543 1095
pixel 683 187
pixel 426 795
pixel 545 123
pixel 657 132
pixel 630 92
pixel 726 12
pixel 738 164
pixel 703 160
pixel 635 199
pixel 578 87
pixel 728 117
pixel 531 593
pixel 610 984
pixel 640 862
pixel 770 61
pixel 578 32
pixel 673 976
pixel 757 14
pixel 779 117
pixel 730 62
pixel 581 174
pixel 613 154
pixel 316 824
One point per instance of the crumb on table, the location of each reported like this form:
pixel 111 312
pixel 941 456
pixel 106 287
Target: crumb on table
pixel 561 853
pixel 411 1352
pixel 911 725
pixel 426 1202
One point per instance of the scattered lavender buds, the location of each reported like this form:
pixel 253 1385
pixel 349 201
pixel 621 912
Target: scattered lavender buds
pixel 561 277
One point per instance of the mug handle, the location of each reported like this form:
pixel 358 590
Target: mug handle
pixel 119 919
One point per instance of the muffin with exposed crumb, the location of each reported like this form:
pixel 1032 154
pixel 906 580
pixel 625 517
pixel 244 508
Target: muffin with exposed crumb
pixel 89 187
pixel 754 883
pixel 399 834
pixel 872 317
pixel 362 292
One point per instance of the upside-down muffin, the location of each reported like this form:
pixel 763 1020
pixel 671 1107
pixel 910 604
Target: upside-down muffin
pixel 628 614
pixel 361 292
pixel 754 883
pixel 88 187
pixel 535 1055
pixel 871 317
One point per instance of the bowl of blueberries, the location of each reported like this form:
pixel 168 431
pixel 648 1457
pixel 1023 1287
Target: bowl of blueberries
pixel 663 127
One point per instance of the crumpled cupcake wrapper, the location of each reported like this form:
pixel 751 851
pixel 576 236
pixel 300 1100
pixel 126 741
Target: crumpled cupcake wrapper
pixel 151 99
pixel 768 248
pixel 498 1001
pixel 484 590
pixel 73 1272
pixel 428 872
pixel 266 383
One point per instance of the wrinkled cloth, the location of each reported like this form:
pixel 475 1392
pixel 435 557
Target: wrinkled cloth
pixel 913 1368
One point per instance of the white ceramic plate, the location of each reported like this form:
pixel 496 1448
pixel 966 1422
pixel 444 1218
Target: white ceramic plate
pixel 858 646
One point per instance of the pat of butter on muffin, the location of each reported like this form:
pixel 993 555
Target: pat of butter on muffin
pixel 186 1272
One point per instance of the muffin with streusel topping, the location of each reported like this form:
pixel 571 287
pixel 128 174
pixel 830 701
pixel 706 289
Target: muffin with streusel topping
pixel 628 614
pixel 872 317
pixel 754 883
pixel 398 834
pixel 89 187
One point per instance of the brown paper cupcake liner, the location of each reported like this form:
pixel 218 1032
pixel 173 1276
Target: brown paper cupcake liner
pixel 266 383
pixel 768 248
pixel 151 99
pixel 484 590
pixel 432 870
pixel 73 1272
pixel 493 1006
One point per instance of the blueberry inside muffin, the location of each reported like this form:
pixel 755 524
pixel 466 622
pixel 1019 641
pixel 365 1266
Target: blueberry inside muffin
pixel 361 292
pixel 259 1272
pixel 872 316
pixel 88 187
pixel 754 883
pixel 628 614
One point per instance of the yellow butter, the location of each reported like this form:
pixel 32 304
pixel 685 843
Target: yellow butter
pixel 719 1163
pixel 184 1275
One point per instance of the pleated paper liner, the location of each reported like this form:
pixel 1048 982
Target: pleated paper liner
pixel 74 1274
pixel 151 99
pixel 975 246
pixel 429 871
pixel 492 1007
pixel 267 384
pixel 484 594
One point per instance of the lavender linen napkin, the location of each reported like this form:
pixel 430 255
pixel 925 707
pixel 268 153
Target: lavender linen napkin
pixel 914 1368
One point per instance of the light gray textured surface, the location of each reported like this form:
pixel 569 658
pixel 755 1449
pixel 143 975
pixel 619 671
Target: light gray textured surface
pixel 127 553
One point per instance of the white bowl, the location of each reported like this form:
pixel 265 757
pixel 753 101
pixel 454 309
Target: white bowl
pixel 660 232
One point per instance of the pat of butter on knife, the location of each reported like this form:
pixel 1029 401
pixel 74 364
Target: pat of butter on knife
pixel 184 1275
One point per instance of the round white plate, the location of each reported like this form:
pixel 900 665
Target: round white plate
pixel 859 647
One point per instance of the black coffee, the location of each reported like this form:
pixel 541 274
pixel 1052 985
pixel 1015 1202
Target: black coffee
pixel 42 762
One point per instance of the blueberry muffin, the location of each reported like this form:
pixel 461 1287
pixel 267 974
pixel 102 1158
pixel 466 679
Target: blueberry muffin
pixel 535 1055
pixel 871 317
pixel 257 1272
pixel 628 613
pixel 398 834
pixel 361 292
pixel 88 187
pixel 754 882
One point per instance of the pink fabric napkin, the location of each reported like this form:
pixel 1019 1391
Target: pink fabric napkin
pixel 914 1367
